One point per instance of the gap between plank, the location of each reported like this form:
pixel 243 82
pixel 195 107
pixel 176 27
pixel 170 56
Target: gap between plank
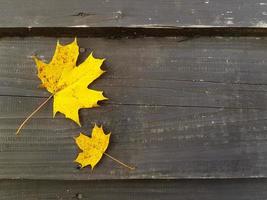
pixel 132 32
pixel 150 105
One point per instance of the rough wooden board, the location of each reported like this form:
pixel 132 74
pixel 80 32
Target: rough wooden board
pixel 135 189
pixel 177 109
pixel 139 13
pixel 161 141
pixel 216 72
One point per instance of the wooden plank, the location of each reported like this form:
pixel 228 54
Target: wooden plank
pixel 135 189
pixel 188 109
pixel 163 142
pixel 127 13
pixel 216 72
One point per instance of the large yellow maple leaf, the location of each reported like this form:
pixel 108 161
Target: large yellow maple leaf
pixel 68 83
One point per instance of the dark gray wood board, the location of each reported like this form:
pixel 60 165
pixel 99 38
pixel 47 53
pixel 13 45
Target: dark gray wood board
pixel 128 13
pixel 162 142
pixel 135 189
pixel 205 71
pixel 177 109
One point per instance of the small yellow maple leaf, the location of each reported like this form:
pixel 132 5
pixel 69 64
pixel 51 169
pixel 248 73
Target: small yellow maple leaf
pixel 68 83
pixel 93 147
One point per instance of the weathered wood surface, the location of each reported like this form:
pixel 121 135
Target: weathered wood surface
pixel 128 13
pixel 135 189
pixel 178 109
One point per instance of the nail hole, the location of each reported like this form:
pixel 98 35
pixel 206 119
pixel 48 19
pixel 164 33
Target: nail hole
pixel 79 196
pixel 82 50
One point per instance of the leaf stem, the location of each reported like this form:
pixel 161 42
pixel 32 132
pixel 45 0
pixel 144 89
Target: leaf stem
pixel 35 111
pixel 118 161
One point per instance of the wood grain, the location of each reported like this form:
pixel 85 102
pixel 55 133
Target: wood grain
pixel 188 111
pixel 218 72
pixel 127 13
pixel 161 141
pixel 135 189
pixel 177 109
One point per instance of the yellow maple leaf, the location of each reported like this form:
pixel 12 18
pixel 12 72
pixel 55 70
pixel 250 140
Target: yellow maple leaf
pixel 68 83
pixel 94 147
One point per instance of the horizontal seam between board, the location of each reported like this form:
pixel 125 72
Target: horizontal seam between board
pixel 133 31
pixel 155 105
pixel 142 179
pixel 178 80
pixel 191 81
